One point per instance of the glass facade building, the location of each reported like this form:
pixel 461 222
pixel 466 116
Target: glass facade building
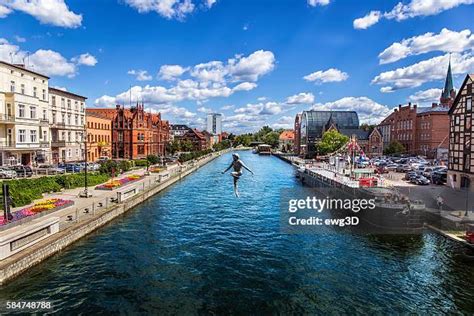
pixel 314 123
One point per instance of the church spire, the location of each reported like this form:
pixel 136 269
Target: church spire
pixel 448 85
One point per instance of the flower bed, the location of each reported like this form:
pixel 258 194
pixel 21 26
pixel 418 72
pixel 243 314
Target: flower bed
pixel 156 169
pixel 114 184
pixel 41 206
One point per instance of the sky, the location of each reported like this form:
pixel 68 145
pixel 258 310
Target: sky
pixel 258 62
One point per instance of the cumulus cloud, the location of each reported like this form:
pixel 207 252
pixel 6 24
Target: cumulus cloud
pixel 227 107
pixel 203 109
pixel 171 72
pixel 314 3
pixel 85 59
pixel 169 9
pixel 368 110
pixel 424 71
pixel 53 12
pixel 105 101
pixel 445 41
pixel 412 9
pixel 19 39
pixel 426 96
pixel 367 21
pixel 330 75
pixel 45 61
pixel 252 67
pixel 245 86
pixel 286 122
pixel 301 98
pixel 140 75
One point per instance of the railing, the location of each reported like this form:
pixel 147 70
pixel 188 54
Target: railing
pixel 19 145
pixel 7 118
pixel 58 125
pixel 58 143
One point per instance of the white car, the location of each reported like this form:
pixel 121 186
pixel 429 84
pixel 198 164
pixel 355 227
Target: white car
pixel 7 173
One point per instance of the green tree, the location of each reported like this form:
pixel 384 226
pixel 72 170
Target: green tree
pixel 395 147
pixel 187 146
pixel 152 159
pixel 173 147
pixel 271 138
pixel 332 140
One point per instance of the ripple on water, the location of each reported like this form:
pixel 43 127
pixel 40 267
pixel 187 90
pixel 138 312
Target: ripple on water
pixel 195 248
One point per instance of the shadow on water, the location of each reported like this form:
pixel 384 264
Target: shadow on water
pixel 196 249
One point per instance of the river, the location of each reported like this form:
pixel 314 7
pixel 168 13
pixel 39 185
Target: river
pixel 196 249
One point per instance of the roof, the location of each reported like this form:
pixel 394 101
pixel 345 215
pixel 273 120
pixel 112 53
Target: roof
pixel 448 85
pixel 359 133
pixel 23 68
pixel 317 120
pixel 66 92
pixel 458 96
pixel 287 135
pixel 436 109
pixel 179 126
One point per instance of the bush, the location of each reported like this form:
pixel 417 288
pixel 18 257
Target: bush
pixel 108 166
pixel 24 191
pixel 193 155
pixel 124 165
pixel 140 162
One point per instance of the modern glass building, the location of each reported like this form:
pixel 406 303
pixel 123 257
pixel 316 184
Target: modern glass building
pixel 315 123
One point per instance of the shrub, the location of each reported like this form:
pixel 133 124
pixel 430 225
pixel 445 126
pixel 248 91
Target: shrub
pixel 140 162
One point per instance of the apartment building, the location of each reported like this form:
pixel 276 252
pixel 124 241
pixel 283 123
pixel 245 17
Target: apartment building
pixel 99 137
pixel 24 116
pixel 67 123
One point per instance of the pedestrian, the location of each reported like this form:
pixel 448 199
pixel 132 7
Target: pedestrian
pixel 440 201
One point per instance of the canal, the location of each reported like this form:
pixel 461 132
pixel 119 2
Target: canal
pixel 196 249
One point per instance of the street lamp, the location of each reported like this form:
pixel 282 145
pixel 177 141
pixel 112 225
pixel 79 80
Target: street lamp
pixel 85 193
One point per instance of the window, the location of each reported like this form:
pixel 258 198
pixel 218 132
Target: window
pixel 76 119
pixel 69 136
pixel 53 100
pixel 33 136
pixel 69 153
pixel 456 120
pixel 22 89
pixel 12 86
pixel 45 114
pixel 21 110
pixel 63 134
pixel 69 119
pixel 63 103
pixel 32 112
pixel 44 94
pixel 63 118
pixel 21 136
pixel 68 104
pixel 34 91
pixel 54 117
pixel 45 135
pixel 469 104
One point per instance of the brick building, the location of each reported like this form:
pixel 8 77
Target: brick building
pixel 375 144
pixel 197 139
pixel 135 133
pixel 99 136
pixel 421 130
pixel 461 148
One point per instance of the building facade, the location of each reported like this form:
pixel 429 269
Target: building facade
pixel 135 133
pixel 67 123
pixel 24 117
pixel 461 147
pixel 99 137
pixel 178 130
pixel 197 139
pixel 375 144
pixel 297 141
pixel 214 123
pixel 286 141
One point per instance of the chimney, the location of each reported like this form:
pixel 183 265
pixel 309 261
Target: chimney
pixel 414 106
pixel 433 105
pixel 409 105
pixel 399 106
pixel 117 106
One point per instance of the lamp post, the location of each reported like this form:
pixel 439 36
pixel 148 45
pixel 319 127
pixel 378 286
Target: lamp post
pixel 85 193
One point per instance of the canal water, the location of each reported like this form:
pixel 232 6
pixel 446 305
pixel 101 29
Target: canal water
pixel 196 249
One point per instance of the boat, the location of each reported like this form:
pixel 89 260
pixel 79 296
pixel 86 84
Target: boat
pixel 264 149
pixel 393 213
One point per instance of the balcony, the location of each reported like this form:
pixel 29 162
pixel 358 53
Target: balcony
pixel 44 144
pixel 44 121
pixel 10 145
pixel 58 143
pixel 61 125
pixel 5 118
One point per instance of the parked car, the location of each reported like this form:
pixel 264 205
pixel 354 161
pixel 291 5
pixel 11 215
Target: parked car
pixel 439 176
pixel 427 172
pixel 381 170
pixel 403 168
pixel 49 169
pixel 391 166
pixel 421 180
pixel 71 167
pixel 6 173
pixel 409 175
pixel 23 171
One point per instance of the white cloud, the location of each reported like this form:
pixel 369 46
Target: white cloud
pixel 301 98
pixel 368 110
pixel 227 107
pixel 54 12
pixel 412 9
pixel 19 39
pixel 213 71
pixel 367 21
pixel 85 59
pixel 426 96
pixel 250 68
pixel 330 75
pixel 286 122
pixel 445 41
pixel 203 109
pixel 170 9
pixel 171 72
pixel 59 88
pixel 425 71
pixel 245 86
pixel 140 75
pixel 314 3
pixel 105 101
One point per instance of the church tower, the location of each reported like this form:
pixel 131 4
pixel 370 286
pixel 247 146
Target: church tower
pixel 448 94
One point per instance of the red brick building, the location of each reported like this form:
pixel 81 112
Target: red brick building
pixel 422 130
pixel 135 133
pixel 197 139
pixel 375 144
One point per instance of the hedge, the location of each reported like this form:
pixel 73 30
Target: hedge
pixel 24 191
pixel 193 155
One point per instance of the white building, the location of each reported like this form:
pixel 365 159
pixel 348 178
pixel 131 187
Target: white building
pixel 214 125
pixel 24 116
pixel 67 125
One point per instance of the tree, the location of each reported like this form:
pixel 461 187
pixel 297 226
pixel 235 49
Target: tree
pixel 271 138
pixel 173 147
pixel 187 145
pixel 367 127
pixel 152 159
pixel 395 147
pixel 332 140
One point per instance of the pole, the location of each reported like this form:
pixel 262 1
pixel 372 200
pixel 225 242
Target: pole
pixel 86 193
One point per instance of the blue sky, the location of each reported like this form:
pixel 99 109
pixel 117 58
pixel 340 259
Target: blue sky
pixel 257 62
